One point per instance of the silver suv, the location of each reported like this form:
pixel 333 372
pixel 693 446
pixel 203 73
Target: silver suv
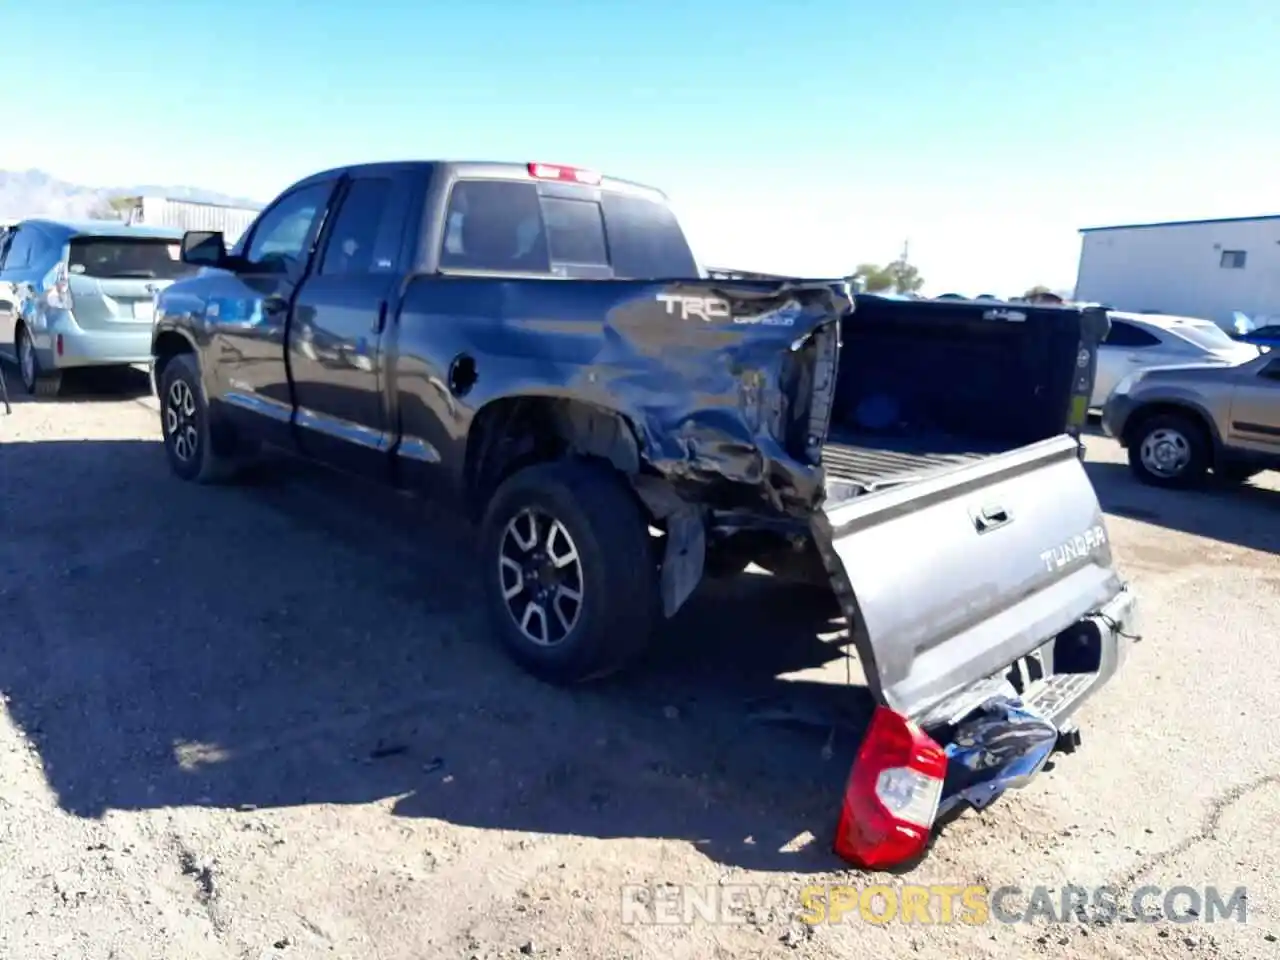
pixel 1180 422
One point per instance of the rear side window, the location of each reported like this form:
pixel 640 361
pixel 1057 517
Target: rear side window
pixel 495 225
pixel 507 226
pixel 1128 335
pixel 119 258
pixel 1208 336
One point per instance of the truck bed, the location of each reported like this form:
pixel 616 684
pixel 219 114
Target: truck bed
pixel 867 461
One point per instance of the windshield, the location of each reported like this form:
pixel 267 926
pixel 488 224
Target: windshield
pixel 120 258
pixel 1207 336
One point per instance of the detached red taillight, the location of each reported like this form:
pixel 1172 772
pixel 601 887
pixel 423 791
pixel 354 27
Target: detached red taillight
pixel 892 795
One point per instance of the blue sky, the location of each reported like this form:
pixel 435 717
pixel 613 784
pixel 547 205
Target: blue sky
pixel 802 137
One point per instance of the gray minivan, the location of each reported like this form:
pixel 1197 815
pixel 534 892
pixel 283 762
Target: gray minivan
pixel 81 294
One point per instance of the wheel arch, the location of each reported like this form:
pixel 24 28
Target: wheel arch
pixel 1182 408
pixel 512 432
pixel 167 345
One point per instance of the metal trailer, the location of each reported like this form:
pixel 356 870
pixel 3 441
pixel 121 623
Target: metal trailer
pixel 190 215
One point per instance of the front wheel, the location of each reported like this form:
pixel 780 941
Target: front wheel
pixel 568 574
pixel 184 418
pixel 1169 450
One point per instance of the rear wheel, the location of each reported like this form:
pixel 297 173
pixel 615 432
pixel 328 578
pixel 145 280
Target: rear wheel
pixel 184 418
pixel 568 573
pixel 1169 450
pixel 35 381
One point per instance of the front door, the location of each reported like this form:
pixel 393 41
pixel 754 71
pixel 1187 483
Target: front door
pixel 1255 407
pixel 339 322
pixel 248 312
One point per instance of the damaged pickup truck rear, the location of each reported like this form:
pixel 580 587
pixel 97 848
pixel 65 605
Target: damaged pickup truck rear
pixel 537 344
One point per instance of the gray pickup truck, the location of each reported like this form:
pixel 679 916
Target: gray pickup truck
pixel 537 344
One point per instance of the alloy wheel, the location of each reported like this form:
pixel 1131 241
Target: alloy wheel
pixel 180 425
pixel 540 573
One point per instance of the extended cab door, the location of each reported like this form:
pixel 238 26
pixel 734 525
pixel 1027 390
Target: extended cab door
pixel 1255 407
pixel 248 311
pixel 339 321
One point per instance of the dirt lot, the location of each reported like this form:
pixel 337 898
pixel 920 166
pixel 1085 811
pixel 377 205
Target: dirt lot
pixel 257 721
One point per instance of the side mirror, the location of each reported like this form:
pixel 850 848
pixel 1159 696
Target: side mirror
pixel 204 248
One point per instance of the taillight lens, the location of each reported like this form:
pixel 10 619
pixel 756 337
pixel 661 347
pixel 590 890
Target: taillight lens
pixel 892 794
pixel 58 294
pixel 557 171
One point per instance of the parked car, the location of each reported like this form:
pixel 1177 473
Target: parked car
pixel 1140 340
pixel 76 295
pixel 1178 423
pixel 537 344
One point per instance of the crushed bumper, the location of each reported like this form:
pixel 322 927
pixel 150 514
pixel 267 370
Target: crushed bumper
pixel 1008 738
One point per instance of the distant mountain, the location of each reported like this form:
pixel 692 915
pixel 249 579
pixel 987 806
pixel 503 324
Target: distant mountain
pixel 34 193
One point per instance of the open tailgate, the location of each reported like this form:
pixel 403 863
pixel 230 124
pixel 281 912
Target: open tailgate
pixel 949 579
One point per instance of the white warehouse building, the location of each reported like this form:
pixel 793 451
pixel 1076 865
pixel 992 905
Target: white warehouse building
pixel 1190 268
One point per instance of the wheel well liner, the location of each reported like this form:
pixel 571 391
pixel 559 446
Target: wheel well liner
pixel 168 344
pixel 514 432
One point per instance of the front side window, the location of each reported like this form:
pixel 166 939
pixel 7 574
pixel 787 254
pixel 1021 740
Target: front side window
pixel 280 237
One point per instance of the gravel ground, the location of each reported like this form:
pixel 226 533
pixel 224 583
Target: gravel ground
pixel 262 721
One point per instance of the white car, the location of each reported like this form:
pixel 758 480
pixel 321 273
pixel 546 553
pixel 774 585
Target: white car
pixel 1141 340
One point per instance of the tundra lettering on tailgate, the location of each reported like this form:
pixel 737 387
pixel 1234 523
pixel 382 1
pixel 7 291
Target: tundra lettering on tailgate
pixel 1077 548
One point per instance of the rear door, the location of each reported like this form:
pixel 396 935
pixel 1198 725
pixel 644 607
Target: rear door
pixel 1126 348
pixel 114 279
pixel 340 319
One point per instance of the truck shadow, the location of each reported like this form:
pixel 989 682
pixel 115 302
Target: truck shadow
pixel 307 639
pixel 1245 515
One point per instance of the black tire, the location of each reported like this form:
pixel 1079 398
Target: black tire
pixel 205 463
pixel 619 582
pixel 1184 434
pixel 36 382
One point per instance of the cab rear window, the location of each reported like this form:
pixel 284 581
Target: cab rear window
pixel 506 226
pixel 121 258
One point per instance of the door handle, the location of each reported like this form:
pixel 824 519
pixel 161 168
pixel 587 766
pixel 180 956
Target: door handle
pixel 380 324
pixel 990 517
